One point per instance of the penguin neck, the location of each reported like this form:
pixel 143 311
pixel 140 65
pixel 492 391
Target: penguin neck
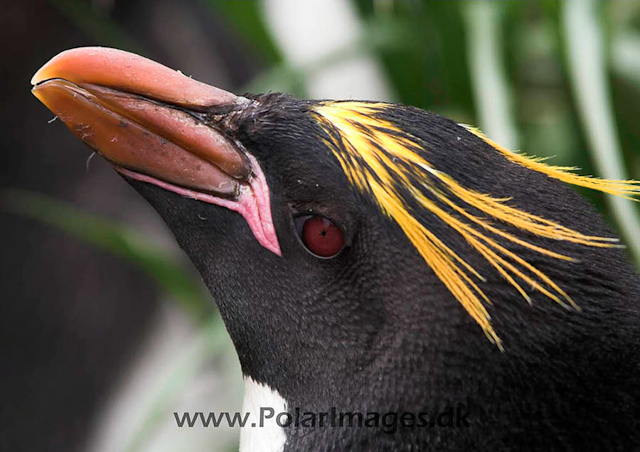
pixel 262 405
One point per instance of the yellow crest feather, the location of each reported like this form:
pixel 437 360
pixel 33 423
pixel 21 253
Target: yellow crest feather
pixel 379 159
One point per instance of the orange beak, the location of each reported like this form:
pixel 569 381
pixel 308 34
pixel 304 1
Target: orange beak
pixel 158 126
pixel 145 118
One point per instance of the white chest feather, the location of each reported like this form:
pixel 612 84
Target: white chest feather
pixel 261 399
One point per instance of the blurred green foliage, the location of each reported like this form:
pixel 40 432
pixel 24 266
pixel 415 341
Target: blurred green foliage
pixel 170 273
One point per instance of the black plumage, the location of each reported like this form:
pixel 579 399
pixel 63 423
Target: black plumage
pixel 375 330
pixel 379 327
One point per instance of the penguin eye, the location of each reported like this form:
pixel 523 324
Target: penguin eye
pixel 320 236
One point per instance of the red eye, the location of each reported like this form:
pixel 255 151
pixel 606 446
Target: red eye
pixel 321 236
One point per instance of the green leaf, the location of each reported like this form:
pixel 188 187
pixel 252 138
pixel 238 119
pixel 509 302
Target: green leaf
pixel 247 18
pixel 165 269
pixel 587 66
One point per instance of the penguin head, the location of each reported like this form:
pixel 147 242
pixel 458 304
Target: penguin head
pixel 361 253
